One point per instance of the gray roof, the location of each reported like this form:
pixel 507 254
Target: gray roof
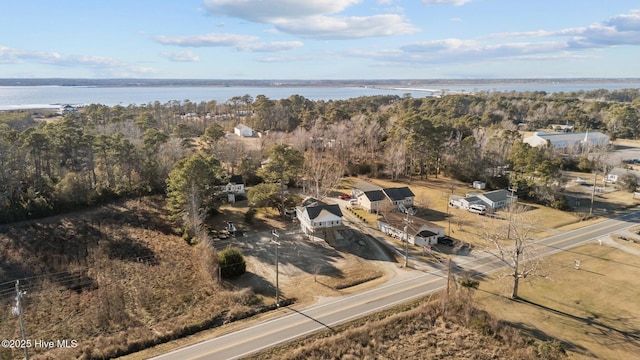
pixel 497 196
pixel 398 193
pixel 314 207
pixel 570 139
pixel 366 186
pixel 374 195
pixel 236 179
pixel 471 199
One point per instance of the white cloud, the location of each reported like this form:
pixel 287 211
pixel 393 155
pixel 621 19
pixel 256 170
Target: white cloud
pixel 313 18
pixel 181 56
pixel 18 56
pixel 292 59
pixel 274 46
pixel 106 65
pixel 214 39
pixel 325 27
pixel 457 50
pixel 240 42
pixel 276 10
pixel 439 2
pixel 623 29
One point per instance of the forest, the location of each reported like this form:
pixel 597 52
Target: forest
pixel 101 153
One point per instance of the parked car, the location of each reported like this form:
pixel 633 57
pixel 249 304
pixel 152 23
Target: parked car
pixel 344 197
pixel 477 209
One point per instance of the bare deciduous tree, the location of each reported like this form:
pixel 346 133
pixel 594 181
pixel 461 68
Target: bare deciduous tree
pixel 514 246
pixel 322 172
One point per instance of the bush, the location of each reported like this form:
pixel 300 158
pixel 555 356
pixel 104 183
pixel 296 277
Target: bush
pixel 250 215
pixel 468 282
pixel 231 263
pixel 551 350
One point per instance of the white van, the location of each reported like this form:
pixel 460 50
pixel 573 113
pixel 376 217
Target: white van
pixel 478 209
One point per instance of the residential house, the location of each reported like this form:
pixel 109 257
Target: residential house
pixel 372 201
pixel 67 109
pixel 614 175
pixel 491 200
pixel 243 130
pixel 317 217
pixel 464 202
pixel 497 199
pixel 361 186
pixel 419 231
pixel 400 196
pixel 234 187
pixel 373 198
pixel 567 140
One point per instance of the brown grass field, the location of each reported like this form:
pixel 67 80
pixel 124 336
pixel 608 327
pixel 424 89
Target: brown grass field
pixel 434 327
pixel 593 311
pixel 118 279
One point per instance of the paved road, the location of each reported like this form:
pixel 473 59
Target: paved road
pixel 292 323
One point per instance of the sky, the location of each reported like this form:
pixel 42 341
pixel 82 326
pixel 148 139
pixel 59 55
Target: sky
pixel 319 39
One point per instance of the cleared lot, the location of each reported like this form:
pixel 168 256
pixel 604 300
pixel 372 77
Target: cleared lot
pixel 593 311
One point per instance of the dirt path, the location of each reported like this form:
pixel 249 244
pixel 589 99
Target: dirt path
pixel 309 267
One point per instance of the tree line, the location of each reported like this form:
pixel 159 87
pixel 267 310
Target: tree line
pixel 105 152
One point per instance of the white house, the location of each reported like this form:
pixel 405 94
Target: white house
pixel 400 196
pixel 567 140
pixel 614 175
pixel 361 186
pixel 373 198
pixel 419 232
pixel 315 216
pixel 234 187
pixel 496 199
pixel 492 199
pixel 243 130
pixel 464 202
pixel 372 201
pixel 67 109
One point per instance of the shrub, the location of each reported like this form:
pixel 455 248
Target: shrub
pixel 231 263
pixel 551 350
pixel 250 215
pixel 468 282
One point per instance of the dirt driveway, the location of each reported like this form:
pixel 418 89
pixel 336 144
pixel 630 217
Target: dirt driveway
pixel 309 267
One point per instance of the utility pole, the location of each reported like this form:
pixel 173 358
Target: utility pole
pixel 406 247
pixel 406 238
pixel 275 236
pixel 593 193
pixel 449 216
pixel 448 278
pixel 17 310
pixel 511 209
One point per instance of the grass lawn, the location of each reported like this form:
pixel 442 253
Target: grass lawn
pixel 594 311
pixel 432 197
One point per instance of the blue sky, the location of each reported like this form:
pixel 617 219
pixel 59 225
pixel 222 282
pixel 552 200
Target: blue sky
pixel 320 39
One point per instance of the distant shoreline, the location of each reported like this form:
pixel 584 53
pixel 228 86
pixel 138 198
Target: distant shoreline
pixel 385 83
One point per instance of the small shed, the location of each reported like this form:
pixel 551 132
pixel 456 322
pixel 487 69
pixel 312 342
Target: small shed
pixel 243 130
pixel 479 185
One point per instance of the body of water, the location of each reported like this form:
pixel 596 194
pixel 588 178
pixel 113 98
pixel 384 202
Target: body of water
pixel 34 97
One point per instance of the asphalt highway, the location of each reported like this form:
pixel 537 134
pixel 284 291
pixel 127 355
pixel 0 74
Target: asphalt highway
pixel 293 323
